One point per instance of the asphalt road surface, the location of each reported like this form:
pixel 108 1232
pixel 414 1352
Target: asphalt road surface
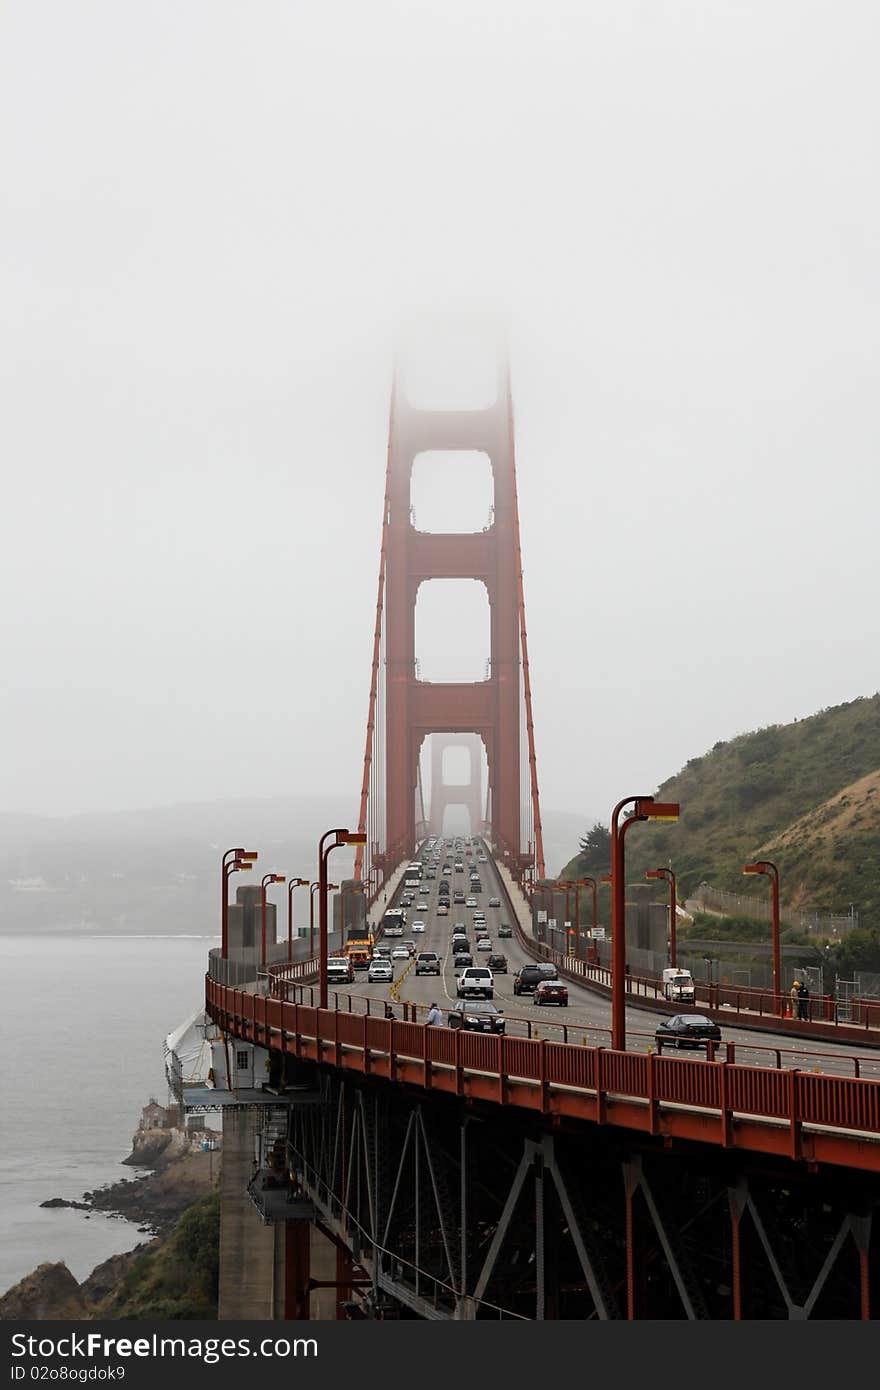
pixel 587 1018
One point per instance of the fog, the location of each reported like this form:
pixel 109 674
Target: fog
pixel 219 222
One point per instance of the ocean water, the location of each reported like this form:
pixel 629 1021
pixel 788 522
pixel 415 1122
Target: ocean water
pixel 82 1019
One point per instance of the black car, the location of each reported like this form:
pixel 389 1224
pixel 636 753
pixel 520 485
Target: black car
pixel 528 977
pixel 504 929
pixel 459 944
pixel 477 1016
pixel 462 958
pixel 497 964
pixel 687 1030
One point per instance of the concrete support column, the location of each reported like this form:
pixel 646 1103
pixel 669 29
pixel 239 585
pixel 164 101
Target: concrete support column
pixel 247 1247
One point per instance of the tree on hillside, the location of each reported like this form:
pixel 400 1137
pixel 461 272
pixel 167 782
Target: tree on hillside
pixel 596 847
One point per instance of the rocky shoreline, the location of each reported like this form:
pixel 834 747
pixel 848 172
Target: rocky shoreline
pixel 181 1173
pixel 153 1201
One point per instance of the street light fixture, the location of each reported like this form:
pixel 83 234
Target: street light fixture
pixel 341 837
pixel 644 808
pixel 267 879
pixel 291 884
pixel 234 861
pixel 669 876
pixel 766 866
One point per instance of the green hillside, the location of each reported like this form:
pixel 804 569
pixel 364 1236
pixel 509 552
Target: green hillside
pixel 806 795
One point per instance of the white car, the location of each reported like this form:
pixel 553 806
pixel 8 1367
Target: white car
pixel 484 944
pixel 400 953
pixel 380 972
pixel 470 902
pixel 494 902
pixel 442 911
pixel 421 907
pixel 417 927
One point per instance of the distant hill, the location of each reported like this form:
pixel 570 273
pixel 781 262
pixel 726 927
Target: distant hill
pixel 155 870
pixel 806 795
pixel 158 870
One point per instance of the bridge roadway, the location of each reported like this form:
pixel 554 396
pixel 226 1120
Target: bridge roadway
pixel 588 1015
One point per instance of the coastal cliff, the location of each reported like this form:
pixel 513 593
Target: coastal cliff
pixel 173 1275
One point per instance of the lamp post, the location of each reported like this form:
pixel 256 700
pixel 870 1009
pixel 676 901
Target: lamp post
pixel 266 880
pixel 340 837
pixel 331 887
pixel 577 884
pixel 562 886
pixel 352 888
pixel 670 879
pixel 644 808
pixel 766 866
pixel 313 888
pixel 240 861
pixel 580 883
pixel 291 884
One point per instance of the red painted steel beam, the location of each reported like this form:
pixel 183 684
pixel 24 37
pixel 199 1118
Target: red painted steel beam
pixel 297 1254
pixel 451 707
pixel 434 555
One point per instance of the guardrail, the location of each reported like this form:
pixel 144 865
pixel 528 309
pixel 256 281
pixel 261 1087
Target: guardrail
pixel 585 1034
pixel 756 1108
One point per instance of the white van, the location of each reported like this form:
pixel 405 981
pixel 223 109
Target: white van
pixel 678 985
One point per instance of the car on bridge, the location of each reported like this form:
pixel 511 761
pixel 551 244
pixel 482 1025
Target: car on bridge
pixel 504 929
pixel 528 977
pixel 443 910
pixel 417 927
pixel 460 959
pixel 427 963
pixel 479 1016
pixel 421 907
pixel 551 992
pixel 340 970
pixel 477 980
pixel 483 943
pixel 381 971
pixel 494 902
pixel 686 1030
pixel 410 946
pixel 470 902
pixel 497 963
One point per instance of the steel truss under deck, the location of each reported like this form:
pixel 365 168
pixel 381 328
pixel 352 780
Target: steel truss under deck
pixel 453 1210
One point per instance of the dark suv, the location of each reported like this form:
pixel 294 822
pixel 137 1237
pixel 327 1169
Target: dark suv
pixel 528 977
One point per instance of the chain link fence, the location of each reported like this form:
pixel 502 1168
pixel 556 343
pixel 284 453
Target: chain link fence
pixel 708 899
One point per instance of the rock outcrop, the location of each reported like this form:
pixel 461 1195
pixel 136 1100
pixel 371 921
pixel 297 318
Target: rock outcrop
pixel 49 1292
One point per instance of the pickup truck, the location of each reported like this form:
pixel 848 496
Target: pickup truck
pixel 475 980
pixel 340 970
pixel 427 963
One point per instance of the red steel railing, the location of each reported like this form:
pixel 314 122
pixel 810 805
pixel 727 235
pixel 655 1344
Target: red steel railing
pixel 558 1077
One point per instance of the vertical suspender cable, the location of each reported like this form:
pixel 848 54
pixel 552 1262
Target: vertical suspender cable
pixel 377 639
pixel 530 727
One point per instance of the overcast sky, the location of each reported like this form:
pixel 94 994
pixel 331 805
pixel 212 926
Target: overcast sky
pixel 216 220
